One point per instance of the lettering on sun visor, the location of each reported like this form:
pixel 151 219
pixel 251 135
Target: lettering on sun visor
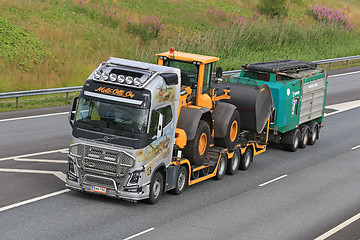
pixel 115 92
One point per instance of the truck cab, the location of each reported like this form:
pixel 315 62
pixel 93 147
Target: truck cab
pixel 123 128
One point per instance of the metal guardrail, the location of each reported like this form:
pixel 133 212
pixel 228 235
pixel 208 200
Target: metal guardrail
pixel 67 90
pixel 331 60
pixel 16 95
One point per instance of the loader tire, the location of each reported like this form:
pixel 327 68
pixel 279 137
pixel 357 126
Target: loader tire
pixel 232 132
pixel 196 150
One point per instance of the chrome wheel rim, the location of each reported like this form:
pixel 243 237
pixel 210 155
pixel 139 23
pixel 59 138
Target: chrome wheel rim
pixel 181 180
pixel 306 138
pixel 247 158
pixel 235 161
pixel 222 166
pixel 156 188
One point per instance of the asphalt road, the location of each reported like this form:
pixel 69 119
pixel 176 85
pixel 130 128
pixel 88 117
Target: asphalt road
pixel 319 188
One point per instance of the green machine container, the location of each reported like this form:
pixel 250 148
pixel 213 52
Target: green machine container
pixel 299 92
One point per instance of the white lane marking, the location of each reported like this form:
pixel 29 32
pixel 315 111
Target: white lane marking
pixel 343 74
pixel 138 234
pixel 356 147
pixel 33 200
pixel 36 116
pixel 58 174
pixel 39 160
pixel 266 183
pixel 339 227
pixel 342 107
pixel 33 154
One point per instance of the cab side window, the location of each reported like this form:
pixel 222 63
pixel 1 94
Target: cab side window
pixel 154 124
pixel 166 111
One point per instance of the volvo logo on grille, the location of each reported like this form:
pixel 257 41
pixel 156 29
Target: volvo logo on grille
pixel 106 138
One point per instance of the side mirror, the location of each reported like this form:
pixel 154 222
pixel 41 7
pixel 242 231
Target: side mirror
pixel 218 72
pixel 73 110
pixel 159 132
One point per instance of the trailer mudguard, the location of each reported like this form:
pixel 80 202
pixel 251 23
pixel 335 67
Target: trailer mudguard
pixel 222 114
pixel 189 120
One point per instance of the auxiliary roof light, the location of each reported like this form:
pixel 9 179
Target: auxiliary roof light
pixel 137 81
pixel 97 75
pixel 113 77
pixel 121 79
pixel 129 80
pixel 105 76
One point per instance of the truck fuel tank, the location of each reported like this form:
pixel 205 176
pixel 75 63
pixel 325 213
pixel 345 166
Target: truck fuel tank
pixel 254 103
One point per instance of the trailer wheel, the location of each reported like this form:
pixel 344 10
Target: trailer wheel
pixel 221 168
pixel 294 137
pixel 304 132
pixel 196 149
pixel 233 163
pixel 181 181
pixel 232 132
pixel 314 132
pixel 246 159
pixel 156 188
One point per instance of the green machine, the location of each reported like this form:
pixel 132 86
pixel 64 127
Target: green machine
pixel 299 92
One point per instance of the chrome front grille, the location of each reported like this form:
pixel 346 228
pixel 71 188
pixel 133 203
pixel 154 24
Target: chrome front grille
pixel 101 160
pixel 99 181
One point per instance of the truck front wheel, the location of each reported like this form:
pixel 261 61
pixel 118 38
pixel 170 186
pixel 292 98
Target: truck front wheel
pixel 156 188
pixel 196 149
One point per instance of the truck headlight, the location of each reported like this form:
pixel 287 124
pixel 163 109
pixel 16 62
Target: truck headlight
pixel 134 179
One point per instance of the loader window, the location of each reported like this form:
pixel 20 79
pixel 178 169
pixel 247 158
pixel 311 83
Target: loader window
pixel 189 71
pixel 207 76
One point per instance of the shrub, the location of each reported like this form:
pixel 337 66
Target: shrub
pixel 272 8
pixel 146 28
pixel 330 16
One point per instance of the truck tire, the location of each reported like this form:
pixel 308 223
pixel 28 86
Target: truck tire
pixel 156 188
pixel 232 132
pixel 233 163
pixel 314 132
pixel 294 137
pixel 181 181
pixel 196 149
pixel 221 168
pixel 304 133
pixel 246 159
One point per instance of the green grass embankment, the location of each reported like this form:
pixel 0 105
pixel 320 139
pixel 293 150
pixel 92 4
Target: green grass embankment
pixel 47 44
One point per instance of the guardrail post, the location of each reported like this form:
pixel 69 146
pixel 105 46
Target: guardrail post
pixel 329 65
pixel 17 102
pixel 347 61
pixel 67 96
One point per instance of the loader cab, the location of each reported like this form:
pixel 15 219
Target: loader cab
pixel 195 73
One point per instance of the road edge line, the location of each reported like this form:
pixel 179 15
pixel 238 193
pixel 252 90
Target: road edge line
pixel 338 227
pixel 33 200
pixel 138 234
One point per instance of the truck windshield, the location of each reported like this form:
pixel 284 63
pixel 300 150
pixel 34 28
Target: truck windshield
pixel 113 116
pixel 189 71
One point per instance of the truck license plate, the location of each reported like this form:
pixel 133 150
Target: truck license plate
pixel 98 189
